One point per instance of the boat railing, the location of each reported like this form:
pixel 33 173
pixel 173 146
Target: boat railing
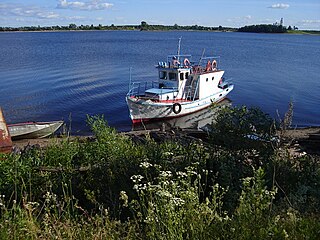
pixel 187 93
pixel 225 83
pixel 139 88
pixel 176 61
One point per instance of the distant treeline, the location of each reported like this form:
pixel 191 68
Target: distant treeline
pixel 263 28
pixel 144 26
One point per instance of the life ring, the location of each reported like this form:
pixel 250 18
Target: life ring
pixel 186 62
pixel 214 65
pixel 176 108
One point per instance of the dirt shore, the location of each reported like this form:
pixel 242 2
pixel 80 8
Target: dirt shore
pixel 300 141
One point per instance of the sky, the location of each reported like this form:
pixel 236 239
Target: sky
pixel 304 14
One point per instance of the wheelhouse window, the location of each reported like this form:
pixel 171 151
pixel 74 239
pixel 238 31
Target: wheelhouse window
pixel 187 75
pixel 163 75
pixel 172 76
pixel 181 76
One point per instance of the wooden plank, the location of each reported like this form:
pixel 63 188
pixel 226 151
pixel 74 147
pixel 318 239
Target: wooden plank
pixel 5 139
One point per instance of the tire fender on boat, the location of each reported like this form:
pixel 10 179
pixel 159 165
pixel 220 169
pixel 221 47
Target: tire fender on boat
pixel 214 65
pixel 176 108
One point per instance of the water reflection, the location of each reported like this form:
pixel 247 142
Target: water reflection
pixel 195 120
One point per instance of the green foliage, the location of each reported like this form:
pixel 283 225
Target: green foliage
pixel 241 127
pixel 108 187
pixel 254 206
pixel 170 207
pixel 298 179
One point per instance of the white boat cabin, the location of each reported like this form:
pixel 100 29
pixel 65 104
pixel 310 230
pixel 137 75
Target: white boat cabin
pixel 185 80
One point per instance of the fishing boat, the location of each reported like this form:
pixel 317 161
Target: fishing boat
pixel 183 87
pixel 33 129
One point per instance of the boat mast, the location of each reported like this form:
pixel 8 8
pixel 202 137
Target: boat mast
pixel 130 78
pixel 179 46
pixel 200 60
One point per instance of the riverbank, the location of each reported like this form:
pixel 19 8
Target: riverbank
pixel 299 140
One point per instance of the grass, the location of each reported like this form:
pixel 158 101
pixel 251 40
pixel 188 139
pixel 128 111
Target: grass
pixel 110 187
pixel 311 32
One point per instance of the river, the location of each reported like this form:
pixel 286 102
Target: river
pixel 66 75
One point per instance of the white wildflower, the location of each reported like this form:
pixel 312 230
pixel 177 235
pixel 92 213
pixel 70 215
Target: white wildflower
pixel 136 178
pixel 145 165
pixel 178 201
pixel 286 235
pixel 124 198
pixel 106 212
pixel 182 174
pixel 157 166
pixel 165 174
pixel 164 194
pixel 168 154
pixel 205 171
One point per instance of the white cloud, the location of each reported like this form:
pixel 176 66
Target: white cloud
pixel 240 20
pixel 28 11
pixel 91 5
pixel 75 18
pixel 280 6
pixel 310 21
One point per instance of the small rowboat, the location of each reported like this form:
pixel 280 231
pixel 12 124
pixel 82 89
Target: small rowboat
pixel 33 129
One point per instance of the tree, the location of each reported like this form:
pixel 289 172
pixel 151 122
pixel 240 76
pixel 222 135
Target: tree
pixel 144 26
pixel 72 26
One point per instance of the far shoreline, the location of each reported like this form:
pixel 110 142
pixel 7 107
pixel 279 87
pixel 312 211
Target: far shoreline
pixel 134 30
pixel 64 31
pixel 144 26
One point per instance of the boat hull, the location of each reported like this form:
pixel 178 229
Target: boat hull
pixel 33 129
pixel 145 110
pixel 5 140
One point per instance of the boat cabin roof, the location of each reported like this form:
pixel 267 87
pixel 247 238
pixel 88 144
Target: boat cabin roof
pixel 160 90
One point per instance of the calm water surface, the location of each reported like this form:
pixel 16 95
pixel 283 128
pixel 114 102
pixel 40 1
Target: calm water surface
pixel 66 75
